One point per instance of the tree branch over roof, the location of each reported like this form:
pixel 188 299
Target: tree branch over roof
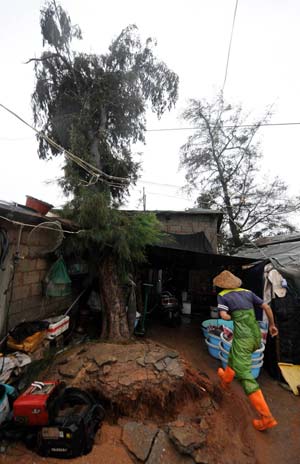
pixel 223 160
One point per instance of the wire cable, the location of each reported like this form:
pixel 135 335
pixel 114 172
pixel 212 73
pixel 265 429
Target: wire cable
pixel 158 183
pixel 163 129
pixel 89 168
pixel 230 43
pixel 170 196
pixel 266 124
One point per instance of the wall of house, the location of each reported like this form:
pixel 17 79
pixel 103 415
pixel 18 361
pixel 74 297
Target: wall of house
pixel 21 279
pixel 190 224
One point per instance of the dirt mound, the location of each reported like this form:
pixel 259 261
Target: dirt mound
pixel 140 380
pixel 149 385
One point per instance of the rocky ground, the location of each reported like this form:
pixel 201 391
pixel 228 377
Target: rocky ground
pixel 164 409
pixel 159 409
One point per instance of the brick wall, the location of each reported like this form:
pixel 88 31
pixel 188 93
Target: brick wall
pixel 191 224
pixel 26 298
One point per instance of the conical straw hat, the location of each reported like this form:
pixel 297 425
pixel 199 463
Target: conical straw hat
pixel 227 280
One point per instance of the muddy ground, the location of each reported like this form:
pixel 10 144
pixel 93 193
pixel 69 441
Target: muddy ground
pixel 275 446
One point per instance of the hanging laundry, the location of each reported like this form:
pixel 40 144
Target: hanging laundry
pixel 276 280
pixel 274 284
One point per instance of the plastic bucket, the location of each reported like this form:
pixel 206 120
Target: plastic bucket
pixel 257 354
pixel 38 205
pixel 223 359
pixel 213 339
pixel 215 322
pixel 225 352
pixel 255 368
pixel 226 344
pixel 213 350
pixel 257 361
pixel 225 355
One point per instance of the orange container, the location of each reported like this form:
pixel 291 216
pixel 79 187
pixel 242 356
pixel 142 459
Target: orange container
pixel 38 205
pixel 29 344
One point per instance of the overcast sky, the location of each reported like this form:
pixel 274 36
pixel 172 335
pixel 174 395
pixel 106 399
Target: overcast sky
pixel 193 37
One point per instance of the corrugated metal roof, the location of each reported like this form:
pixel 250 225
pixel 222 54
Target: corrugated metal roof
pixel 190 211
pixel 285 253
pixel 278 239
pixel 186 211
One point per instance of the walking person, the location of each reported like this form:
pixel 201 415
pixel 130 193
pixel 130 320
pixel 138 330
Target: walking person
pixel 238 304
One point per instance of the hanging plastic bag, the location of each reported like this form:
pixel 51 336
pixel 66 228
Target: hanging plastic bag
pixel 57 282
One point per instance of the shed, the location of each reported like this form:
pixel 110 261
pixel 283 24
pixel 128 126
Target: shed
pixel 192 221
pixel 25 263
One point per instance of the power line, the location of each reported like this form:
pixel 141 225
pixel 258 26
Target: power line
pixel 230 42
pixel 95 173
pixel 158 183
pixel 170 196
pixel 174 129
pixel 266 124
pixel 163 129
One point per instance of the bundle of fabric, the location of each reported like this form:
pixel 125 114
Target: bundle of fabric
pixel 12 365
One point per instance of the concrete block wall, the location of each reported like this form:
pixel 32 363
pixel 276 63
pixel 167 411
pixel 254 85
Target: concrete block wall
pixel 177 223
pixel 25 296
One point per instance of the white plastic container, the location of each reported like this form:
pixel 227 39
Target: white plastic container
pixel 186 307
pixel 57 326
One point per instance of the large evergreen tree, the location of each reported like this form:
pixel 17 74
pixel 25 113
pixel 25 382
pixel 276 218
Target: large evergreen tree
pixel 94 106
pixel 222 160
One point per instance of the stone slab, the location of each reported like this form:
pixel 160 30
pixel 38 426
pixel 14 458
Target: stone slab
pixel 163 452
pixel 139 438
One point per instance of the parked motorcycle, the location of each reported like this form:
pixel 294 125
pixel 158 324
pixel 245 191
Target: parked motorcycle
pixel 168 309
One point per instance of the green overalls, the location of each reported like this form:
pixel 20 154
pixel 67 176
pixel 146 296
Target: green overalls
pixel 246 340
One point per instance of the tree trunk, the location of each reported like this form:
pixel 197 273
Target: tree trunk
pixel 231 222
pixel 95 150
pixel 96 137
pixel 114 321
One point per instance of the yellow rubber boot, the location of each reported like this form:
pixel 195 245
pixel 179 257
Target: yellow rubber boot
pixel 259 403
pixel 226 376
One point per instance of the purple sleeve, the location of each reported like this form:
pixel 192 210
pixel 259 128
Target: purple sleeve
pixel 222 305
pixel 257 301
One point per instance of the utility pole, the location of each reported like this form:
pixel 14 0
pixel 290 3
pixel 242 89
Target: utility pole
pixel 144 199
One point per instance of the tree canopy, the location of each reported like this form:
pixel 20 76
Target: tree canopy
pixel 92 108
pixel 95 104
pixel 222 160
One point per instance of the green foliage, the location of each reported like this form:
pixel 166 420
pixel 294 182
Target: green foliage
pixel 95 105
pixel 56 27
pixel 108 230
pixel 222 162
